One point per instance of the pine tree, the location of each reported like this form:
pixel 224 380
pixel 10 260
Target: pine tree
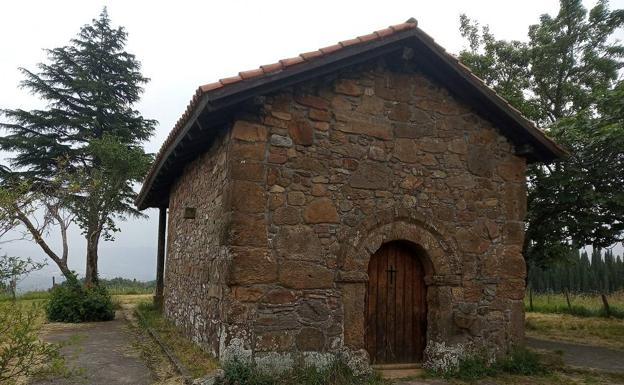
pixel 89 130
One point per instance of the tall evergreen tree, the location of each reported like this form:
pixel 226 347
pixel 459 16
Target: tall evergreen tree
pixel 566 78
pixel 89 131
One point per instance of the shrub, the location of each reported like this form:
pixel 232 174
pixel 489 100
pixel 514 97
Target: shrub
pixel 72 302
pixel 22 354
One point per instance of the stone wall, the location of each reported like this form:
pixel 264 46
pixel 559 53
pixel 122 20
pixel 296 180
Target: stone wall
pixel 196 260
pixel 320 176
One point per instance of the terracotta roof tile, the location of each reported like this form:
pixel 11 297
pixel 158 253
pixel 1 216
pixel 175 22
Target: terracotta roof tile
pixel 384 32
pixel 210 87
pixel 369 37
pixel 311 54
pixel 346 43
pixel 402 26
pixel 268 68
pixel 251 73
pixel 291 61
pixel 230 80
pixel 330 48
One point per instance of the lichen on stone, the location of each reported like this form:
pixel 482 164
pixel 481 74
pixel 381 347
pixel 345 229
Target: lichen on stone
pixel 444 358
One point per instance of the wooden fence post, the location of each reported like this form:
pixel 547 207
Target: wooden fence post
pixel 605 303
pixel 567 295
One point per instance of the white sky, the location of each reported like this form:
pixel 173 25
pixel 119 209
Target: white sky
pixel 183 44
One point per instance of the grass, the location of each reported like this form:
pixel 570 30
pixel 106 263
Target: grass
pixel 582 305
pixel 337 373
pixel 607 332
pixel 556 377
pixel 528 367
pixel 29 295
pixel 198 362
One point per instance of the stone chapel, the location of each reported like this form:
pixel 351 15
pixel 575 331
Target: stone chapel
pixel 366 199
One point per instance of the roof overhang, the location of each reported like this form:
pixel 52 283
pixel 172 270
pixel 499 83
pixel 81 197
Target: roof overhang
pixel 211 107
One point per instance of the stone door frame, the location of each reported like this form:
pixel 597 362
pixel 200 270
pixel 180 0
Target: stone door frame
pixel 440 260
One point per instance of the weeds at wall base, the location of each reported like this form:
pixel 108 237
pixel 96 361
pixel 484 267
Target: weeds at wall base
pixel 337 373
pixel 520 361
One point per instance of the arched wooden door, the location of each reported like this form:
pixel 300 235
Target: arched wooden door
pixel 396 305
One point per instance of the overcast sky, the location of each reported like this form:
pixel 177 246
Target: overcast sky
pixel 183 44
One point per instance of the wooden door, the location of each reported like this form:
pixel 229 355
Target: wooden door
pixel 396 305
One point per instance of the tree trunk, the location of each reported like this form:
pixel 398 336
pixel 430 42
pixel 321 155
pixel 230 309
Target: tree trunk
pixel 605 303
pixel 91 271
pixel 64 269
pixel 13 288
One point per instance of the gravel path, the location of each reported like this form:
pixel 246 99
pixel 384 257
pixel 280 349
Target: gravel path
pixel 100 353
pixel 583 356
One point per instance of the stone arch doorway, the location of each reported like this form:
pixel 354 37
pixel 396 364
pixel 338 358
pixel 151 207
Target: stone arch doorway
pixel 396 304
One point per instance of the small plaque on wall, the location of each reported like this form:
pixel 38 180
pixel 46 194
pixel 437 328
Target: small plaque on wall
pixel 190 212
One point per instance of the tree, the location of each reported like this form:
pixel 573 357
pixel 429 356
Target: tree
pixel 13 269
pixel 36 209
pixel 565 78
pixel 89 131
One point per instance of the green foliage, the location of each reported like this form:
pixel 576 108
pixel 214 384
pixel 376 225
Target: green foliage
pixel 565 78
pixel 12 269
pixel 520 361
pixel 337 373
pixel 89 133
pixel 73 302
pixel 21 352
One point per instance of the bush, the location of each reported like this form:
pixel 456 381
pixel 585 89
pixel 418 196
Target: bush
pixel 22 354
pixel 72 302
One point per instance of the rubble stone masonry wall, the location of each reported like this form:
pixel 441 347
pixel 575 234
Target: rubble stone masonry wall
pixel 196 260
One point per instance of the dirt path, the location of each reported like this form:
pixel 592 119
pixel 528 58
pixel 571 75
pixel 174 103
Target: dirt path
pixel 583 356
pixel 98 353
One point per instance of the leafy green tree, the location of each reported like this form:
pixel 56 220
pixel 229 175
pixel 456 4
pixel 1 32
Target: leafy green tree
pixel 565 78
pixel 89 131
